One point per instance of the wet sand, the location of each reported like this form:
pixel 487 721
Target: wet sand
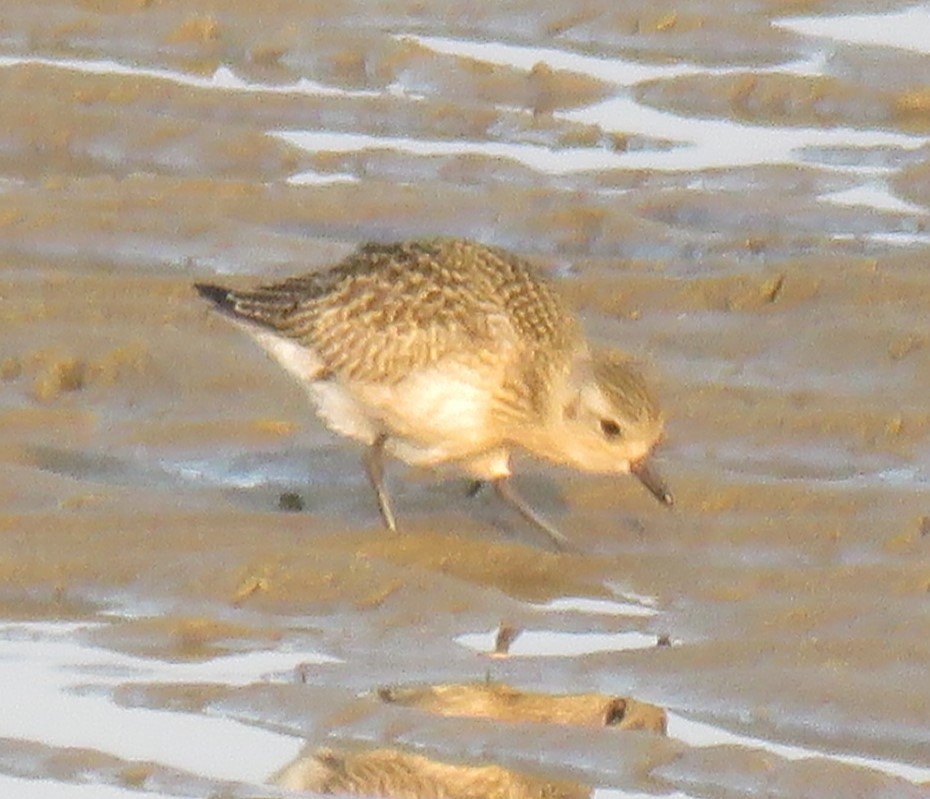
pixel 149 452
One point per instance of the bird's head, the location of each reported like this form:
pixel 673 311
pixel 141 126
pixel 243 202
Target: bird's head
pixel 608 419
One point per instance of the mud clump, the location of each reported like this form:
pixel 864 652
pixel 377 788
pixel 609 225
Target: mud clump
pixel 62 377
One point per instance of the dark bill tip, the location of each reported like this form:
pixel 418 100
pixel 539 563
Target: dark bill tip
pixel 650 478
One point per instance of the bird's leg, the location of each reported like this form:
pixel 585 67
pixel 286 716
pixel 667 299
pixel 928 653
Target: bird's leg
pixel 506 492
pixel 374 466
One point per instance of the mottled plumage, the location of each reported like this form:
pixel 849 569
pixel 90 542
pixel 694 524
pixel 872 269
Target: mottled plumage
pixel 395 774
pixel 448 351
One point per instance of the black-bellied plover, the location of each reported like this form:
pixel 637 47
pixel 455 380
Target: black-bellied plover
pixel 446 351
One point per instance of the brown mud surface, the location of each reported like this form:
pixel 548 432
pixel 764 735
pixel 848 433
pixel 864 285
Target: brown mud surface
pixel 149 454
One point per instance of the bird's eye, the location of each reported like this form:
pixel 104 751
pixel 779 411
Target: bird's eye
pixel 610 428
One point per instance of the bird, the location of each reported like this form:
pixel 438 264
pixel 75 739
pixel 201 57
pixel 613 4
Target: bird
pixel 398 774
pixel 446 351
pixel 502 702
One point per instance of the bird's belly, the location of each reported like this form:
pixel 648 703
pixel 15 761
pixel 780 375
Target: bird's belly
pixel 423 426
pixel 343 412
pixel 434 415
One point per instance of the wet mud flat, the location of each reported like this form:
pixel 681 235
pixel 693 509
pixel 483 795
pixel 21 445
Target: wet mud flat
pixel 195 591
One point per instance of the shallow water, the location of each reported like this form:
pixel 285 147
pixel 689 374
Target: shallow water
pixel 740 201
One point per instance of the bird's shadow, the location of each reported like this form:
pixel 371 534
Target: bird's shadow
pixel 328 481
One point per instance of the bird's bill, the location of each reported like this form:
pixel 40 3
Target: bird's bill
pixel 650 478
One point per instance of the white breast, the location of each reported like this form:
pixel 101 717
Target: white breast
pixel 433 415
pixel 436 414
